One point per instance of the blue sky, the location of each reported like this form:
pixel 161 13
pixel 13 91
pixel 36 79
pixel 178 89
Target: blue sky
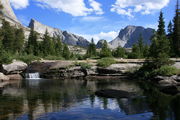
pixel 100 19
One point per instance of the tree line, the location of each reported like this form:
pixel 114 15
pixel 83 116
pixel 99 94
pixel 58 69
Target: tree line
pixel 162 44
pixel 13 43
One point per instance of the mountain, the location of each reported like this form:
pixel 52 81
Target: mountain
pixel 8 12
pixel 100 44
pixel 130 35
pixel 67 37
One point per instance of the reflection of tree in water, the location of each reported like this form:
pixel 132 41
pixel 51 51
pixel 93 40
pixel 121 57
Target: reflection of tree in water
pixel 133 106
pixel 10 106
pixel 176 107
pixel 161 104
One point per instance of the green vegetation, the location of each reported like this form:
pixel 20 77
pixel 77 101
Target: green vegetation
pixel 176 33
pixel 139 50
pixel 27 58
pixel 166 71
pixel 91 51
pixel 105 62
pixel 83 65
pixel 119 53
pixel 14 46
pixel 105 51
pixel 158 62
pixel 159 49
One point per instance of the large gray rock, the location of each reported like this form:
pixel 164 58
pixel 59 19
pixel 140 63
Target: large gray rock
pixel 130 35
pixel 14 67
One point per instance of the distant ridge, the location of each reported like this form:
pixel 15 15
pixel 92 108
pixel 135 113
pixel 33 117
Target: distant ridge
pixel 130 35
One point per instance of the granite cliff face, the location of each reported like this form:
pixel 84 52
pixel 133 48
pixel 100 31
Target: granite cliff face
pixel 68 38
pixel 130 35
pixel 8 13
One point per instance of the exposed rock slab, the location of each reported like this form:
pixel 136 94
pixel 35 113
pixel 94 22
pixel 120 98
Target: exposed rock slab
pixel 14 67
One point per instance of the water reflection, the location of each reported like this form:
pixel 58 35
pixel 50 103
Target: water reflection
pixel 74 99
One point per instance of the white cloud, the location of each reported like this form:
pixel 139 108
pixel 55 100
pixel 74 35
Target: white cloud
pixel 128 7
pixel 73 7
pixel 19 4
pixel 102 35
pixel 96 7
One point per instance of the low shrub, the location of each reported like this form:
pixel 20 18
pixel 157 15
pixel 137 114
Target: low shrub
pixel 28 58
pixel 166 71
pixel 5 58
pixel 83 65
pixel 105 62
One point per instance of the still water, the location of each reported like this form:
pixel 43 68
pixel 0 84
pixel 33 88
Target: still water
pixel 73 99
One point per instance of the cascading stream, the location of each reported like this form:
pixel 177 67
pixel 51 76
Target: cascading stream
pixel 33 75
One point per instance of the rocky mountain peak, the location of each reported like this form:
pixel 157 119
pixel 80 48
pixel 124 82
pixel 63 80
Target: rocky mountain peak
pixel 130 35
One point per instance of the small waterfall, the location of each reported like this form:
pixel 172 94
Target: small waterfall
pixel 33 75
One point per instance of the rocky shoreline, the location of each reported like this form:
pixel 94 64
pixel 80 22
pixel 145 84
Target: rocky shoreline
pixel 70 69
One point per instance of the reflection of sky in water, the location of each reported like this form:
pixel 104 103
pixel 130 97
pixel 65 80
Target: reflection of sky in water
pixel 85 110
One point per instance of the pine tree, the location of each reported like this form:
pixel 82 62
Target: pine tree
pixel 136 53
pixel 8 33
pixel 19 40
pixel 161 26
pixel 66 52
pixel 141 46
pixel 58 45
pixel 119 52
pixel 32 45
pixel 159 49
pixel 146 51
pixel 91 51
pixel 170 37
pixel 105 51
pixel 176 31
pixel 47 45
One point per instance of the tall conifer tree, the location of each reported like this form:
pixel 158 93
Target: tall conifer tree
pixel 176 31
pixel 160 47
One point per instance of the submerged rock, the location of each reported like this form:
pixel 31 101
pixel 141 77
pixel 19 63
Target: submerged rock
pixel 111 93
pixel 15 77
pixel 3 77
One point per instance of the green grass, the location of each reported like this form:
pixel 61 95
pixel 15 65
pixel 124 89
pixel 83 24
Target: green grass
pixel 105 62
